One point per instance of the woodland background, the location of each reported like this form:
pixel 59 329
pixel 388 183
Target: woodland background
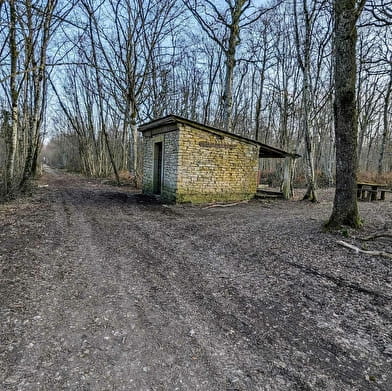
pixel 77 78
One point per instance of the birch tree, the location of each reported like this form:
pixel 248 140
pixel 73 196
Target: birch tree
pixel 309 14
pixel 14 93
pixel 36 57
pixel 28 33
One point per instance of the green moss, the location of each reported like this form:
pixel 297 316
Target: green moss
pixel 147 187
pixel 345 233
pixel 168 194
pixel 200 198
pixel 341 227
pixel 338 222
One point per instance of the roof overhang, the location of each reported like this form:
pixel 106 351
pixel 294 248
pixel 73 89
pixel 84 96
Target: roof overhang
pixel 173 122
pixel 267 151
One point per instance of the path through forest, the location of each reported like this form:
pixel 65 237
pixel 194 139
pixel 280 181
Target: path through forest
pixel 104 289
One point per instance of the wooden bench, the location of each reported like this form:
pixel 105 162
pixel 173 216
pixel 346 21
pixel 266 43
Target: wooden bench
pixel 369 191
pixel 269 193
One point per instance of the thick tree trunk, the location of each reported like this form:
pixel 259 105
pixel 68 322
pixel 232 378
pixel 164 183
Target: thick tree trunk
pixel 345 208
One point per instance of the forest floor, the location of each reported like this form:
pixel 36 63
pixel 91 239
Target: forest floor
pixel 102 288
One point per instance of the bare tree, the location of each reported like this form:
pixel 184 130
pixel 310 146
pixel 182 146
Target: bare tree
pixel 381 12
pixel 386 131
pixel 224 27
pixel 14 92
pixel 128 55
pixel 345 208
pixel 28 32
pixel 120 62
pixel 37 58
pixel 304 49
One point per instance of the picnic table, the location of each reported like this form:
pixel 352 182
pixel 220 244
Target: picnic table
pixel 369 191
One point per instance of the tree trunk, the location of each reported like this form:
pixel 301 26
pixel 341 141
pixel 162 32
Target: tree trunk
pixel 304 62
pixel 288 176
pixel 362 131
pixel 261 89
pixel 310 193
pixel 100 94
pixel 385 124
pixel 345 208
pixel 230 65
pixel 13 135
pixel 135 150
pixel 311 186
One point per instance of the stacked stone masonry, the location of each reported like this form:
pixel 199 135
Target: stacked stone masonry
pixel 170 164
pixel 200 166
pixel 215 168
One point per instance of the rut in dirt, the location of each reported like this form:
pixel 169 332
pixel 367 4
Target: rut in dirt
pixel 106 289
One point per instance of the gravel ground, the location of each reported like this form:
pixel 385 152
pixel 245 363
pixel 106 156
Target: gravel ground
pixel 104 289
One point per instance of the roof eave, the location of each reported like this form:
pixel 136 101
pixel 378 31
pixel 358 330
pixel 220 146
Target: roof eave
pixel 266 151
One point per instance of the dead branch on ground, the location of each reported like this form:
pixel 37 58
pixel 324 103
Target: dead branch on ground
pixel 376 236
pixel 224 205
pixel 368 252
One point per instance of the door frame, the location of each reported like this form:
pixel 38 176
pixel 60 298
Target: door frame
pixel 158 166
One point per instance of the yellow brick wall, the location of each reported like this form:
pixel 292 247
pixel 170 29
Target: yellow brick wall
pixel 212 168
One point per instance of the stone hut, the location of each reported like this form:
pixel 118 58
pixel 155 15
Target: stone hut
pixel 185 161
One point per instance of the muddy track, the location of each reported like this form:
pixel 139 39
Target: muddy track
pixel 104 289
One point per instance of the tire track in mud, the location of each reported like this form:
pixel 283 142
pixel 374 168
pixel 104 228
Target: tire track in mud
pixel 169 299
pixel 139 296
pixel 93 310
pixel 334 361
pixel 90 248
pixel 193 290
pixel 253 344
pixel 67 311
pixel 157 312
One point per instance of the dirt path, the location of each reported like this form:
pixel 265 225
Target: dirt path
pixel 103 289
